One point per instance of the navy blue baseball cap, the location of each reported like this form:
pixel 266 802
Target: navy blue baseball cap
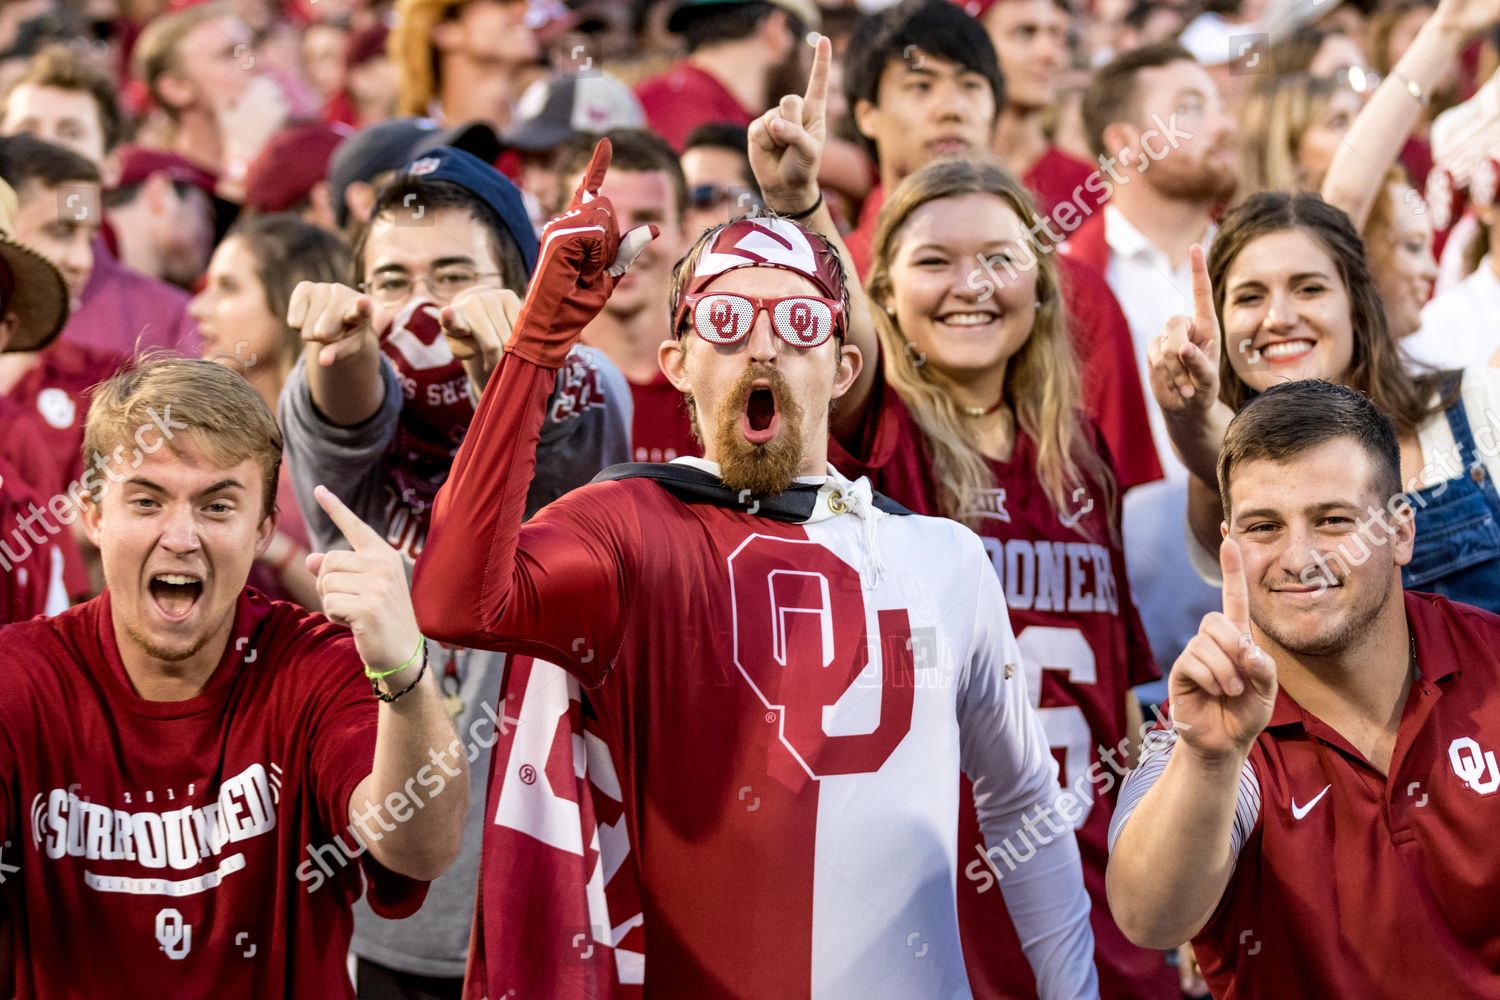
pixel 444 163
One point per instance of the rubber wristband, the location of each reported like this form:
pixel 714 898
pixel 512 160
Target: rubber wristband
pixel 806 212
pixel 388 698
pixel 376 675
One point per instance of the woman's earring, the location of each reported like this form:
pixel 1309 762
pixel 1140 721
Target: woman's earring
pixel 915 357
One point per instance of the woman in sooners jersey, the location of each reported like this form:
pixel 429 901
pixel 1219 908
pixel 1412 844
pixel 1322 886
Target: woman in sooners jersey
pixel 974 412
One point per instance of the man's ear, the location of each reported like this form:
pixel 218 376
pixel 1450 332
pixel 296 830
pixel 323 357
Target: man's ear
pixel 264 532
pixel 671 355
pixel 1120 140
pixel 89 514
pixel 1223 529
pixel 8 327
pixel 866 118
pixel 851 362
pixel 1403 535
pixel 359 199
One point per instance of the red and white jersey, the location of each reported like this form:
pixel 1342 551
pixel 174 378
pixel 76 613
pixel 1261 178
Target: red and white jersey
pixel 185 848
pixel 1353 883
pixel 1083 648
pixel 780 696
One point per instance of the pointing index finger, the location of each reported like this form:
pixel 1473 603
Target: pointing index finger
pixel 1236 587
pixel 593 177
pixel 359 534
pixel 1203 294
pixel 816 98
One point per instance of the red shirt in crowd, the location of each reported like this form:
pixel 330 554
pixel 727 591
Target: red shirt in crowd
pixel 25 564
pixel 1112 392
pixel 661 429
pixel 56 392
pixel 124 311
pixel 1084 647
pixel 1350 882
pixel 1057 178
pixel 684 97
pixel 186 848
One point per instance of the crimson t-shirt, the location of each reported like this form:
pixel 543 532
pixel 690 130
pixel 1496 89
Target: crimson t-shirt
pixel 660 428
pixel 1083 646
pixel 684 97
pixel 187 845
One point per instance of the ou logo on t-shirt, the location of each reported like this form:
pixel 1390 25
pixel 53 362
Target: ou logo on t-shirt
pixel 800 641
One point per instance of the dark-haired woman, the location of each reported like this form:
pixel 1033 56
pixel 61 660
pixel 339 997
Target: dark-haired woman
pixel 1294 297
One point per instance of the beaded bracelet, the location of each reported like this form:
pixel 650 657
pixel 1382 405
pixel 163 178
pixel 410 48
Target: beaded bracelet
pixel 388 698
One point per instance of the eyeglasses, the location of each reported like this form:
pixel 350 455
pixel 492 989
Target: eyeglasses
pixel 726 318
pixel 444 283
pixel 705 196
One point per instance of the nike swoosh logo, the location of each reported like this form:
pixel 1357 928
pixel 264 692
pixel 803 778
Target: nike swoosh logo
pixel 1299 811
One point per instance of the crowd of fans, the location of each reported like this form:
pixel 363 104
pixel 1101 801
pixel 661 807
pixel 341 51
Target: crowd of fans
pixel 1084 236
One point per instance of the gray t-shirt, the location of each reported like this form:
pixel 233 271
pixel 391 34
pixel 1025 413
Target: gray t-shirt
pixel 587 428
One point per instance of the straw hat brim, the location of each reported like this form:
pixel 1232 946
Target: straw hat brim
pixel 39 298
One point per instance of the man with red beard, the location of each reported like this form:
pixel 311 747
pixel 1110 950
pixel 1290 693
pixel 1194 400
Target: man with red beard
pixel 721 610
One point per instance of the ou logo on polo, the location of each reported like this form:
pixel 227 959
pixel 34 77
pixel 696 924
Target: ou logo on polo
pixel 1475 766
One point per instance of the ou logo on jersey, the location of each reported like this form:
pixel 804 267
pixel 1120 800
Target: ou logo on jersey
pixel 1474 766
pixel 801 642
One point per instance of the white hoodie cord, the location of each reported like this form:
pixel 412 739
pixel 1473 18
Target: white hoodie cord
pixel 858 498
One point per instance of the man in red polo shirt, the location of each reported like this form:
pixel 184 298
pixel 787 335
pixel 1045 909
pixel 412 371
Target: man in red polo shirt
pixel 1321 819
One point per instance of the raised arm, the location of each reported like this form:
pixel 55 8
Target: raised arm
pixel 364 587
pixel 1184 370
pixel 1175 848
pixel 787 145
pixel 1356 176
pixel 342 350
pixel 478 582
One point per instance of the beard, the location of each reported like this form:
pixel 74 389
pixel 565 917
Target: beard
pixel 1338 635
pixel 763 469
pixel 166 654
pixel 1204 182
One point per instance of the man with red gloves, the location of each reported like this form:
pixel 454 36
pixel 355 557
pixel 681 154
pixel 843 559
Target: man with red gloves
pixel 720 611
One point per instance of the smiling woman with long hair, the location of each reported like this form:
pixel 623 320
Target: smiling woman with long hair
pixel 976 414
pixel 1294 296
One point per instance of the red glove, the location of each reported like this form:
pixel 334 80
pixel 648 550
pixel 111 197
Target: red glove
pixel 582 258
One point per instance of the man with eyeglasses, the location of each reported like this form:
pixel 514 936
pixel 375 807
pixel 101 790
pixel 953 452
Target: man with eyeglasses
pixel 376 409
pixel 750 627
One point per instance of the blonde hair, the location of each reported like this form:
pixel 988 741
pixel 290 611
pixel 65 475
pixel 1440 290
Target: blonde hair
pixel 155 52
pixel 223 415
pixel 1042 382
pixel 1275 117
pixel 411 51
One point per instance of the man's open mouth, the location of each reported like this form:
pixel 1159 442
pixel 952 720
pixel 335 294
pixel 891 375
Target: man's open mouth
pixel 176 594
pixel 761 419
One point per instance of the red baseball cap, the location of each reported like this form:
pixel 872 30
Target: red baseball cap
pixel 137 163
pixel 291 164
